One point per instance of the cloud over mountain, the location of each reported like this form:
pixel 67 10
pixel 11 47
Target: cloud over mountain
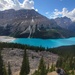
pixel 64 12
pixel 15 4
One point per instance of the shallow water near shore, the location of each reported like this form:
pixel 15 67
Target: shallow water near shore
pixel 47 43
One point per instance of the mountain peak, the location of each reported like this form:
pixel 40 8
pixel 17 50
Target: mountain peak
pixel 18 21
pixel 63 21
pixel 29 23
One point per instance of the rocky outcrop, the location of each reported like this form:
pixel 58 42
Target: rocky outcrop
pixel 63 22
pixel 52 73
pixel 15 58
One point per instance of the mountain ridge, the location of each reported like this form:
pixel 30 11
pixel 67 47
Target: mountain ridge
pixel 15 23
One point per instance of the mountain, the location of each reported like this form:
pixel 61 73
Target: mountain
pixel 72 26
pixel 29 23
pixel 66 23
pixel 63 22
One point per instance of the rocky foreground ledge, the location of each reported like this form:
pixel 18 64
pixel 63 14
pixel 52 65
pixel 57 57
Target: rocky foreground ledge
pixel 15 58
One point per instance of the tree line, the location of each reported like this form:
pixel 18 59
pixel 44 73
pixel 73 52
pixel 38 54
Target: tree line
pixel 20 46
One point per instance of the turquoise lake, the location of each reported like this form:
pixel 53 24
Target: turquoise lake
pixel 47 43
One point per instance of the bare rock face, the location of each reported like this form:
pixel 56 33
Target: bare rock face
pixel 63 22
pixel 26 23
pixel 17 21
pixel 29 23
pixel 66 23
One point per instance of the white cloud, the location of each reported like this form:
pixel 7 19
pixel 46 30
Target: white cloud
pixel 28 4
pixel 47 13
pixel 36 9
pixel 64 12
pixel 15 4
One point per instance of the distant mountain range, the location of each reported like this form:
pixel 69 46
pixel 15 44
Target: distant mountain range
pixel 29 23
pixel 66 23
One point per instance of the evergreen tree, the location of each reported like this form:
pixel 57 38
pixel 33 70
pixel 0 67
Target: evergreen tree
pixel 2 66
pixel 74 63
pixel 36 72
pixel 52 67
pixel 67 67
pixel 59 62
pixel 25 69
pixel 5 71
pixel 42 67
pixel 72 72
pixel 9 69
pixel 48 68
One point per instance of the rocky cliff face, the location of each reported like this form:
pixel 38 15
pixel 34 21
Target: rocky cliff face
pixel 18 21
pixel 63 22
pixel 72 27
pixel 66 23
pixel 29 23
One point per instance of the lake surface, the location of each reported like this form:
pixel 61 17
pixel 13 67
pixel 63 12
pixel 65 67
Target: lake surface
pixel 47 43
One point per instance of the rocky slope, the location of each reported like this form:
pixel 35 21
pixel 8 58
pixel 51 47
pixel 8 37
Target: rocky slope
pixel 18 21
pixel 66 23
pixel 63 22
pixel 29 23
pixel 15 57
pixel 72 27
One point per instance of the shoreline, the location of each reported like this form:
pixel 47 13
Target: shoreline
pixel 6 39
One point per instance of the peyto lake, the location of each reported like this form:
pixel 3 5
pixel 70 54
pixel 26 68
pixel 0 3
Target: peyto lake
pixel 47 43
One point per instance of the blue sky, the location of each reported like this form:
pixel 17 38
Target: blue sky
pixel 48 6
